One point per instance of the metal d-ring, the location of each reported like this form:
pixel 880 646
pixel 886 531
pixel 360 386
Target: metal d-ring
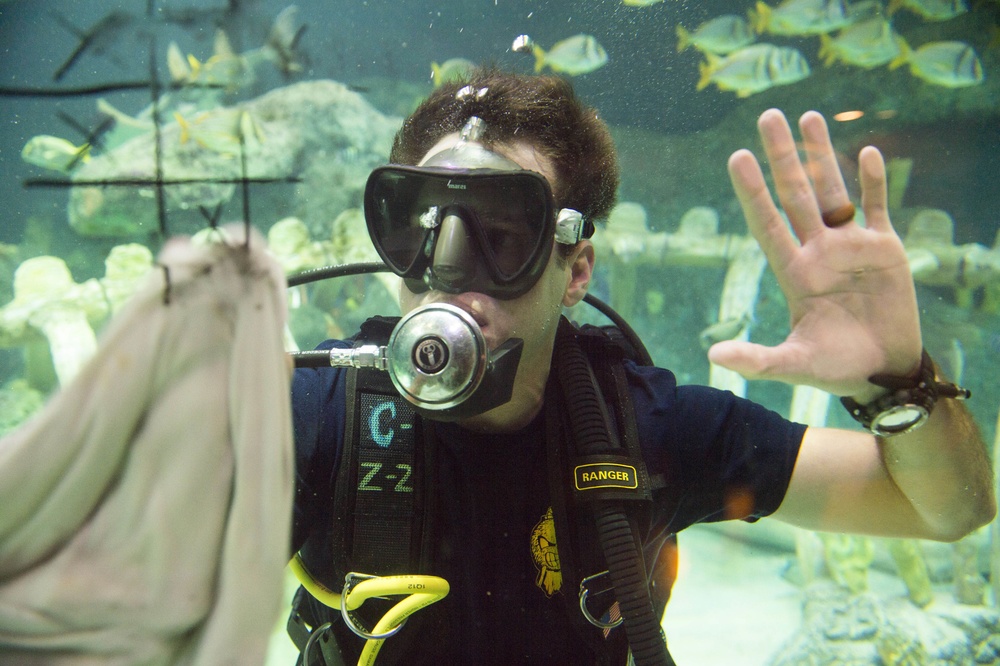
pixel 349 581
pixel 583 604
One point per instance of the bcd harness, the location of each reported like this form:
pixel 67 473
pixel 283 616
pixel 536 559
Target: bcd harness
pixel 600 490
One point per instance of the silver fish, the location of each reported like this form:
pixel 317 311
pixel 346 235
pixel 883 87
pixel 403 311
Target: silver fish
pixel 800 17
pixel 753 69
pixel 948 64
pixel 724 330
pixel 721 35
pixel 579 54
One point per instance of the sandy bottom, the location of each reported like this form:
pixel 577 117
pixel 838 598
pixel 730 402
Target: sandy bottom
pixel 730 604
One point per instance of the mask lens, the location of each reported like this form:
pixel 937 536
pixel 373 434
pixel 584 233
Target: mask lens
pixel 509 213
pixel 513 220
pixel 397 225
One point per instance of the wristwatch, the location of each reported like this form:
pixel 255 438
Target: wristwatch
pixel 908 403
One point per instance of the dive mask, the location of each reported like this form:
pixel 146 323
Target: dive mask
pixel 468 219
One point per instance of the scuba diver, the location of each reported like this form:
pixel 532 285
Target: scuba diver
pixel 517 480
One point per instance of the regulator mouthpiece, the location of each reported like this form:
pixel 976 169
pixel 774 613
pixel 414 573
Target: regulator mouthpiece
pixel 438 360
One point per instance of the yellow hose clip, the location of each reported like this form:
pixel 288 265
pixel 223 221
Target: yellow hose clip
pixel 420 592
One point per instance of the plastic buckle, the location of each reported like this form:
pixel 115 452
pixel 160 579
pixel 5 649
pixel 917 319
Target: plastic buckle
pixel 584 592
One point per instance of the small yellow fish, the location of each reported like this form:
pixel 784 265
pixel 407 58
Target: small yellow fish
pixel 948 64
pixel 54 153
pixel 866 44
pixel 640 3
pixel 800 17
pixel 224 68
pixel 453 69
pixel 721 35
pixel 753 69
pixel 930 10
pixel 580 54
pixel 220 130
pixel 724 330
pixel 228 69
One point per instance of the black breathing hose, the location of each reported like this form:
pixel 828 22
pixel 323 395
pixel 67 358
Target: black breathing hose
pixel 622 552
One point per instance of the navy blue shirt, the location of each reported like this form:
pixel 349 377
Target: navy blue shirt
pixel 721 457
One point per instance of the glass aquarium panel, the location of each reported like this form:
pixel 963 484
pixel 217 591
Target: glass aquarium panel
pixel 126 123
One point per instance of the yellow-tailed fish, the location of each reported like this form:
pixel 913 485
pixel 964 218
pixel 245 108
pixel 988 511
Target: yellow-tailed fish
pixel 948 64
pixel 224 68
pixel 930 10
pixel 753 69
pixel 800 17
pixel 869 43
pixel 54 153
pixel 228 69
pixel 453 69
pixel 721 35
pixel 220 130
pixel 579 54
pixel 640 3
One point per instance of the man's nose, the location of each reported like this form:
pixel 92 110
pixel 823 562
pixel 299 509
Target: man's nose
pixel 454 253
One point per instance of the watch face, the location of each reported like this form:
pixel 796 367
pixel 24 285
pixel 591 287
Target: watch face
pixel 899 419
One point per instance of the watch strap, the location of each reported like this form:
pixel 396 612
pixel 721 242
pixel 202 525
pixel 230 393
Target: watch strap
pixel 920 393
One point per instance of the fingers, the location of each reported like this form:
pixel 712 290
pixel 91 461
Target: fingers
pixel 874 196
pixel 792 182
pixel 762 216
pixel 831 193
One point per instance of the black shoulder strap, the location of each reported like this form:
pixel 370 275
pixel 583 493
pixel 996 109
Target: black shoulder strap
pixel 378 502
pixel 599 478
pixel 379 522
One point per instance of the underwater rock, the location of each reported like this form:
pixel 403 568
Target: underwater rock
pixel 848 558
pixel 292 246
pixel 912 568
pixel 318 135
pixel 840 628
pixel 48 303
pixel 936 260
pixel 626 230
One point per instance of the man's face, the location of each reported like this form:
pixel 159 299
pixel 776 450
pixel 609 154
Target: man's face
pixel 532 316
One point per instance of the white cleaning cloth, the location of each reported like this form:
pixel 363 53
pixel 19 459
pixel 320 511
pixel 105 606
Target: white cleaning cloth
pixel 145 512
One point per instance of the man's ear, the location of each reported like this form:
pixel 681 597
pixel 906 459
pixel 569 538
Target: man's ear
pixel 581 264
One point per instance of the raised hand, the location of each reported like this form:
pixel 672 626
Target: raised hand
pixel 849 289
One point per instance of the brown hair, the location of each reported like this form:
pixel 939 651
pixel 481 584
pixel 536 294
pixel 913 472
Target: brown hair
pixel 542 111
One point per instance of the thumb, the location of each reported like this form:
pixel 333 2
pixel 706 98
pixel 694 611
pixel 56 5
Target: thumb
pixel 749 359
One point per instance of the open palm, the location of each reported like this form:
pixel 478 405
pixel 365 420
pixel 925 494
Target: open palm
pixel 849 289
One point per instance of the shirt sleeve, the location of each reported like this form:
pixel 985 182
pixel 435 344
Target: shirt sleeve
pixel 721 457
